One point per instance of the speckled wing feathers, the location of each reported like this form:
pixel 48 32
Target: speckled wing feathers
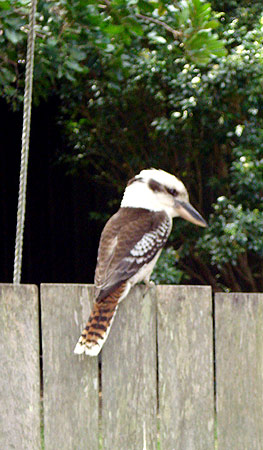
pixel 130 239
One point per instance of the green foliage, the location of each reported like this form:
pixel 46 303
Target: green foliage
pixel 162 84
pixel 75 38
pixel 235 234
pixel 196 18
pixel 232 232
pixel 166 271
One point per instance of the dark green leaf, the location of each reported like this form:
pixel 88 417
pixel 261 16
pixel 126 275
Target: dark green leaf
pixel 14 36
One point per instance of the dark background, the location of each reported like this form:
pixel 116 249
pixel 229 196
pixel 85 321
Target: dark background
pixel 60 239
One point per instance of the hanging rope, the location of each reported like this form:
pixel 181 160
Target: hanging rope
pixel 21 208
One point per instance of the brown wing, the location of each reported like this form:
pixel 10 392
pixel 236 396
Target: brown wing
pixel 130 239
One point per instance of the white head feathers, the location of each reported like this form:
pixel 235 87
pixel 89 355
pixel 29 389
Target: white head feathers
pixel 162 177
pixel 153 189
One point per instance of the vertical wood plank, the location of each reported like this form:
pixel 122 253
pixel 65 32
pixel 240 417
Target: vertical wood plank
pixel 129 375
pixel 239 370
pixel 70 381
pixel 185 354
pixel 19 369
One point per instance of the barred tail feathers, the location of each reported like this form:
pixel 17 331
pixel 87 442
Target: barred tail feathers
pixel 100 321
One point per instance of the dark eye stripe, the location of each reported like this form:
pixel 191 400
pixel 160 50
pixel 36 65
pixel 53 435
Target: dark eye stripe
pixel 173 192
pixel 155 186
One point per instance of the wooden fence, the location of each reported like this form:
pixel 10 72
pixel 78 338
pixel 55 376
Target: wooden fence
pixel 179 371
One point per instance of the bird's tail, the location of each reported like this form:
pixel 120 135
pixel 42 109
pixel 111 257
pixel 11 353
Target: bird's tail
pixel 98 327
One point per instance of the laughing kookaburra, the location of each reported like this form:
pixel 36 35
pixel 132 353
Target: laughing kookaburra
pixel 130 245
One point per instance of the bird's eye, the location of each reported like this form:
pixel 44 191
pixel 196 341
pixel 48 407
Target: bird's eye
pixel 173 192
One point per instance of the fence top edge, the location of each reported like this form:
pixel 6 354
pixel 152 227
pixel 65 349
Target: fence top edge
pixel 67 284
pixel 235 294
pixel 183 286
pixel 179 286
pixel 158 286
pixel 17 286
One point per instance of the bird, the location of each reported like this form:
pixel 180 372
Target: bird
pixel 130 245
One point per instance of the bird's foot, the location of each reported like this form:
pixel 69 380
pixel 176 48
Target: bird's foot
pixel 148 285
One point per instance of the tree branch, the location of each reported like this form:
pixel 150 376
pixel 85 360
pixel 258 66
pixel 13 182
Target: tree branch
pixel 176 34
pixel 245 271
pixel 192 272
pixel 206 271
pixel 228 274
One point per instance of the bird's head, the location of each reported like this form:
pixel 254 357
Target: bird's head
pixel 158 190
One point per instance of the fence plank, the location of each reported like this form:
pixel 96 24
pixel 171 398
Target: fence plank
pixel 19 370
pixel 239 362
pixel 70 381
pixel 129 375
pixel 185 355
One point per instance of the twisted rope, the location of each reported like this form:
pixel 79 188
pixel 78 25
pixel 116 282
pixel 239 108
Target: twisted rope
pixel 21 208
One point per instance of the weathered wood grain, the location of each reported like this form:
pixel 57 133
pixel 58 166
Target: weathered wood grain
pixel 239 370
pixel 19 368
pixel 129 378
pixel 129 375
pixel 70 381
pixel 185 355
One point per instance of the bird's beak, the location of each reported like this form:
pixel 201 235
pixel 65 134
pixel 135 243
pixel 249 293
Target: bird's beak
pixel 188 212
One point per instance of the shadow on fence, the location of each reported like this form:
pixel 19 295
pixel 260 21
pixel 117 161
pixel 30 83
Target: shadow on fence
pixel 154 387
